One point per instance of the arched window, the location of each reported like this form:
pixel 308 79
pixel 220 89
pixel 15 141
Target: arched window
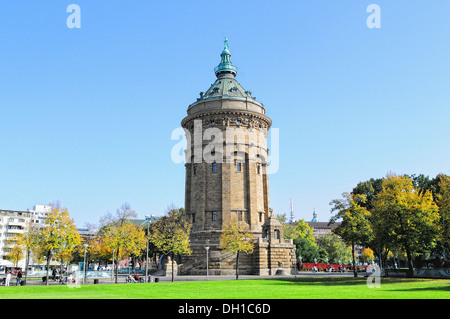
pixel 214 167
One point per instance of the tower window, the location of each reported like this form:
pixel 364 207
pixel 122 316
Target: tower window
pixel 214 167
pixel 258 169
pixel 195 169
pixel 193 218
pixel 238 166
pixel 214 216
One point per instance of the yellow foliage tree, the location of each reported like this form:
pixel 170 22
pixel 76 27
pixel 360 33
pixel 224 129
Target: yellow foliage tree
pixel 408 218
pixel 58 236
pixel 237 238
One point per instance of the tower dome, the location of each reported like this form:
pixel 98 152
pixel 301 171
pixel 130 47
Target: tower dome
pixel 227 91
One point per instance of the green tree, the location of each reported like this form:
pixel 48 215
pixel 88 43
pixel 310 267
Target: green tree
pixel 306 249
pixel 355 228
pixel 443 202
pixel 369 189
pixel 237 238
pixel 335 247
pixel 409 218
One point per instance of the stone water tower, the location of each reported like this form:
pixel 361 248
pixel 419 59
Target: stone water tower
pixel 226 176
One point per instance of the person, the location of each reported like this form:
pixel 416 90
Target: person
pixel 130 279
pixel 136 277
pixel 19 278
pixel 8 278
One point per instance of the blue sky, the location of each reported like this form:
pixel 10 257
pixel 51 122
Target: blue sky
pixel 87 114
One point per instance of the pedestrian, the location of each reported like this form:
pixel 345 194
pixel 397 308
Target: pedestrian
pixel 19 278
pixel 8 278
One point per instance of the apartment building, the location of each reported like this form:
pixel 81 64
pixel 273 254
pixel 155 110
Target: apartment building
pixel 12 222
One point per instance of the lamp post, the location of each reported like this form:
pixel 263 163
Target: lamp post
pixel 207 263
pixel 300 261
pixel 112 270
pixel 147 217
pixel 84 262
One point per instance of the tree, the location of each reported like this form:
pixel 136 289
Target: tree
pixel 335 247
pixel 59 234
pixel 369 189
pixel 367 255
pixel 409 218
pixel 443 202
pixel 16 248
pixel 355 228
pixel 237 238
pixel 120 234
pixel 29 240
pixel 170 234
pixel 307 249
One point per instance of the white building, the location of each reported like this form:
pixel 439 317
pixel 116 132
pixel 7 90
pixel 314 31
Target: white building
pixel 11 223
pixel 39 213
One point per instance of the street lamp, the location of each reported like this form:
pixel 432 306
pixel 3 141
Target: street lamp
pixel 300 261
pixel 84 262
pixel 112 270
pixel 147 218
pixel 207 263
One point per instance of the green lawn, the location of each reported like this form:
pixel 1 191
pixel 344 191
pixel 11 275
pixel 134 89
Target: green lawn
pixel 299 288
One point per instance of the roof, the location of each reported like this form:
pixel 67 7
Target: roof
pixel 143 222
pixel 322 225
pixel 226 86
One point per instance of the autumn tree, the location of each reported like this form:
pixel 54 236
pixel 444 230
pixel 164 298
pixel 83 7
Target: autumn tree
pixel 15 249
pixel 170 234
pixel 237 238
pixel 409 218
pixel 59 235
pixel 120 234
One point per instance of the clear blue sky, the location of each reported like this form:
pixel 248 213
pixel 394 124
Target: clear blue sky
pixel 86 114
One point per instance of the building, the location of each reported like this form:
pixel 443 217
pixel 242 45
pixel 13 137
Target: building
pixel 39 214
pixel 227 180
pixel 320 228
pixel 12 222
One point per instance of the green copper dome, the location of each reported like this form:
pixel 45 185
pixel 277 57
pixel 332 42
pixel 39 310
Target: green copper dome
pixel 226 88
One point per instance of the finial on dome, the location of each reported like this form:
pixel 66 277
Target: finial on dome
pixel 225 67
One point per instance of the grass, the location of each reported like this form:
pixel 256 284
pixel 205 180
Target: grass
pixel 291 288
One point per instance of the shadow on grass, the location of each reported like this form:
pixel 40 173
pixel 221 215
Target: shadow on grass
pixel 351 281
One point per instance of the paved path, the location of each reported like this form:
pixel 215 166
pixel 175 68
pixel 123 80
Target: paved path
pixel 122 278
